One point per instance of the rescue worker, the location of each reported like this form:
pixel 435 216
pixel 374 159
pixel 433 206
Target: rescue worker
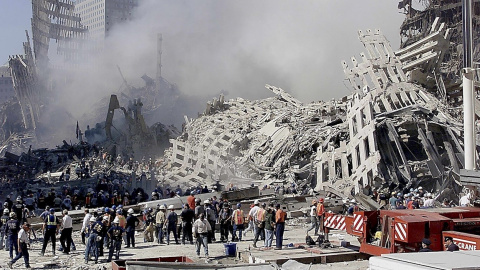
pixel 225 221
pixel 93 231
pixel 149 226
pixel 252 213
pixel 50 227
pixel 321 214
pixel 200 230
pixel 85 224
pixel 259 221
pixel 280 216
pixel 211 218
pixel 450 245
pixel 198 208
pixel 269 226
pixel 132 223
pixel 313 218
pixel 425 245
pixel 11 231
pixel 238 223
pixel 66 234
pixel 19 211
pixel 191 201
pixel 115 235
pixel 188 216
pixel 22 242
pixel 171 223
pixel 3 223
pixel 160 223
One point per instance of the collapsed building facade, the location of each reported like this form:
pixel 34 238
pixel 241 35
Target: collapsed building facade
pixel 397 130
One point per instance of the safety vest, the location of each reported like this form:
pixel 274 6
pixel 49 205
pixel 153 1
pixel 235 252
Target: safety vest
pixel 238 217
pixel 260 214
pixel 51 222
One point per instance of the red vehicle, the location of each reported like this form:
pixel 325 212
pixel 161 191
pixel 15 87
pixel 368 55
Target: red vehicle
pixel 392 231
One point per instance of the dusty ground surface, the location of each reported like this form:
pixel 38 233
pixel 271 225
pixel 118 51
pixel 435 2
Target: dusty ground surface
pixel 293 234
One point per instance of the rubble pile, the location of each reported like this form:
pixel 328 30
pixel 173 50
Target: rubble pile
pixel 391 133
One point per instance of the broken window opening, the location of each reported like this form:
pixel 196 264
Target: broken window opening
pixel 338 169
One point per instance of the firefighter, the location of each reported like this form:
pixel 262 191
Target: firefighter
pixel 11 231
pixel 22 242
pixel 132 223
pixel 50 227
pixel 171 223
pixel 188 217
pixel 224 219
pixel 3 223
pixel 115 235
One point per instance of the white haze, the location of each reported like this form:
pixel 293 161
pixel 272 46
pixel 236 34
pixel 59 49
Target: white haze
pixel 237 47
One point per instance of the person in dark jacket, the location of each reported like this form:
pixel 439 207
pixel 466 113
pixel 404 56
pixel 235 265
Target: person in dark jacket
pixel 450 245
pixel 132 223
pixel 425 245
pixel 188 216
pixel 11 231
pixel 172 221
pixel 50 227
pixel 115 235
pixel 269 226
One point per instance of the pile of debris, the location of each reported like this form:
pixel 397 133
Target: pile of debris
pixel 391 133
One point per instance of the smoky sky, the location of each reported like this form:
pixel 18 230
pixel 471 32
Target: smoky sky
pixel 236 47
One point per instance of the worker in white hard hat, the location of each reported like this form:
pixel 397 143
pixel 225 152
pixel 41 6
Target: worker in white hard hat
pixel 132 223
pixel 3 224
pixel 115 235
pixel 253 213
pixel 160 218
pixel 93 231
pixel 172 221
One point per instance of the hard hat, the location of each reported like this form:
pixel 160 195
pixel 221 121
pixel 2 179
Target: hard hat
pixel 93 219
pixel 114 207
pixel 314 202
pixel 162 207
pixel 130 211
pixel 19 199
pixel 198 200
pixel 116 220
pixel 119 211
pixel 207 201
pixel 256 202
pixel 321 200
pixel 107 209
pixel 394 192
pixel 13 215
pixel 65 212
pixel 6 211
pixel 120 206
pixel 239 205
pixel 264 205
pixel 353 201
pixel 52 210
pixel 420 188
pixel 170 207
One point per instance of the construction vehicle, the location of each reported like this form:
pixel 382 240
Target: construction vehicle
pixel 392 231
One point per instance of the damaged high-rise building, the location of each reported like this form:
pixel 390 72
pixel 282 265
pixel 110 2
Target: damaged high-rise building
pixel 399 129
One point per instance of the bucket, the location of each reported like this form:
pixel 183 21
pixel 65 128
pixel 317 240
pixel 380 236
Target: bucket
pixel 230 249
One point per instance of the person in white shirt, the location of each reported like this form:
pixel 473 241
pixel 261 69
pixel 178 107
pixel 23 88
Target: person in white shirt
pixel 429 202
pixel 66 234
pixel 85 224
pixel 465 200
pixel 22 246
pixel 313 217
pixel 252 214
pixel 201 227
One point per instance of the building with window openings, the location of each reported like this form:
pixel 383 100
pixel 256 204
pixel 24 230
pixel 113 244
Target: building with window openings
pixel 99 16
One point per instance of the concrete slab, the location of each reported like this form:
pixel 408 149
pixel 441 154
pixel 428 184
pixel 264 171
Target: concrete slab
pixel 435 260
